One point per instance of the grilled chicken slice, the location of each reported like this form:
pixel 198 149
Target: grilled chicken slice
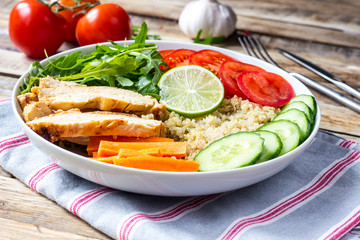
pixel 27 98
pixel 61 95
pixel 74 123
pixel 35 110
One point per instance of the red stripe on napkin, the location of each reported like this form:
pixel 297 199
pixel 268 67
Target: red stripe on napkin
pixel 40 174
pixel 12 138
pixel 5 99
pixel 323 181
pixel 86 198
pixel 347 143
pixel 13 142
pixel 344 227
pixel 129 224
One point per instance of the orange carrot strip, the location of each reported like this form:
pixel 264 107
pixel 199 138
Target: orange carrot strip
pixel 105 159
pixel 152 151
pixel 107 152
pixel 94 141
pixel 159 164
pixel 95 154
pixel 167 149
pixel 124 153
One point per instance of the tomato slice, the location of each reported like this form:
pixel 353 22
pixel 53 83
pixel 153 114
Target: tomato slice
pixel 179 57
pixel 265 88
pixel 229 71
pixel 166 52
pixel 210 59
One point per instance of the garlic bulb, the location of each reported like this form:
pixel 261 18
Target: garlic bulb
pixel 214 18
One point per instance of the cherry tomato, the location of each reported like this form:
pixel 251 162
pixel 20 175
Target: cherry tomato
pixel 210 59
pixel 228 72
pixel 178 57
pixel 102 23
pixel 72 17
pixel 265 88
pixel 33 27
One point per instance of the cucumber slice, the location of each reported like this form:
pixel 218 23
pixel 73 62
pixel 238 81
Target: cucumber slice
pixel 232 151
pixel 272 146
pixel 308 100
pixel 298 117
pixel 288 132
pixel 302 107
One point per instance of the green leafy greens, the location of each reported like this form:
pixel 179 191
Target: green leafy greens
pixel 208 40
pixel 134 67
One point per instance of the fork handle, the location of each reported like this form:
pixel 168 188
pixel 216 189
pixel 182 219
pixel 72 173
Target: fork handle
pixel 353 91
pixel 329 92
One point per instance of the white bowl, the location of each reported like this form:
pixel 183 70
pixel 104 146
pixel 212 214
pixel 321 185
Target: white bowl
pixel 168 183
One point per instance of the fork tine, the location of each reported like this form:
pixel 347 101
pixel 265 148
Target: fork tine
pixel 250 45
pixel 243 45
pixel 255 48
pixel 261 46
pixel 253 44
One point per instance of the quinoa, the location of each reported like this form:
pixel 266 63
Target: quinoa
pixel 233 116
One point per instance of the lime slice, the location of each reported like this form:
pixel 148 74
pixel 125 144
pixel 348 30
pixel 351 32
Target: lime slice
pixel 191 91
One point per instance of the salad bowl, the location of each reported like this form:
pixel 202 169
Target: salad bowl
pixel 160 182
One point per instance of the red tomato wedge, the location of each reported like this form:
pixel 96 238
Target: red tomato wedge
pixel 166 52
pixel 210 59
pixel 178 57
pixel 228 73
pixel 266 88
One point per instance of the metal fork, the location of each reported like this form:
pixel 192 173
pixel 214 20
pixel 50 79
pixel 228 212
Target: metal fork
pixel 253 47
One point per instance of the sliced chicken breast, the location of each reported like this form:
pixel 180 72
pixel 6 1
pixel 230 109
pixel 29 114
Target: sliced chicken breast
pixel 61 95
pixel 74 123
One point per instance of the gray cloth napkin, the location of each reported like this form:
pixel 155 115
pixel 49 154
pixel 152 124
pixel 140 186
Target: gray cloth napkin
pixel 316 197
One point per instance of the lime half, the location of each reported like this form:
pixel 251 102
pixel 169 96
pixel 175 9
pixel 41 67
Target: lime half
pixel 191 91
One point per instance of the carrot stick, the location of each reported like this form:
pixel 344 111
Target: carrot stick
pixel 107 152
pixel 95 154
pixel 105 159
pixel 159 164
pixel 125 152
pixel 167 149
pixel 94 141
pixel 152 151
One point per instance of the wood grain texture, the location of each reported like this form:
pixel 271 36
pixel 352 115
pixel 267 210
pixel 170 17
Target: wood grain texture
pixel 286 18
pixel 326 32
pixel 39 217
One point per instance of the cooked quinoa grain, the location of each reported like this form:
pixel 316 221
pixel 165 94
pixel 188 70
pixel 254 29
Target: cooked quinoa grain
pixel 233 116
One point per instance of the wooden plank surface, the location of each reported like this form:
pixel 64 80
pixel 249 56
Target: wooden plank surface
pixel 286 18
pixel 39 217
pixel 326 32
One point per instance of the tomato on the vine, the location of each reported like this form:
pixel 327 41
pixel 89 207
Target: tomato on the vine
pixel 33 27
pixel 104 22
pixel 72 16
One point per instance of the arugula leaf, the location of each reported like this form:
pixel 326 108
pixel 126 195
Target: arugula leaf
pixel 146 87
pixel 134 67
pixel 123 81
pixel 141 37
pixel 135 32
pixel 151 64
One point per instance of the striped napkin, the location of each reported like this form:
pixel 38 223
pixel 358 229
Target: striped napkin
pixel 316 197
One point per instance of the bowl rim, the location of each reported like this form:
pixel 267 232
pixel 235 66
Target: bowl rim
pixel 114 168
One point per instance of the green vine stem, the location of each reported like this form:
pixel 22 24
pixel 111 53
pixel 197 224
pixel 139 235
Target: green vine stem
pixel 56 6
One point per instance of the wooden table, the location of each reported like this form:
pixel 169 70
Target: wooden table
pixel 326 32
